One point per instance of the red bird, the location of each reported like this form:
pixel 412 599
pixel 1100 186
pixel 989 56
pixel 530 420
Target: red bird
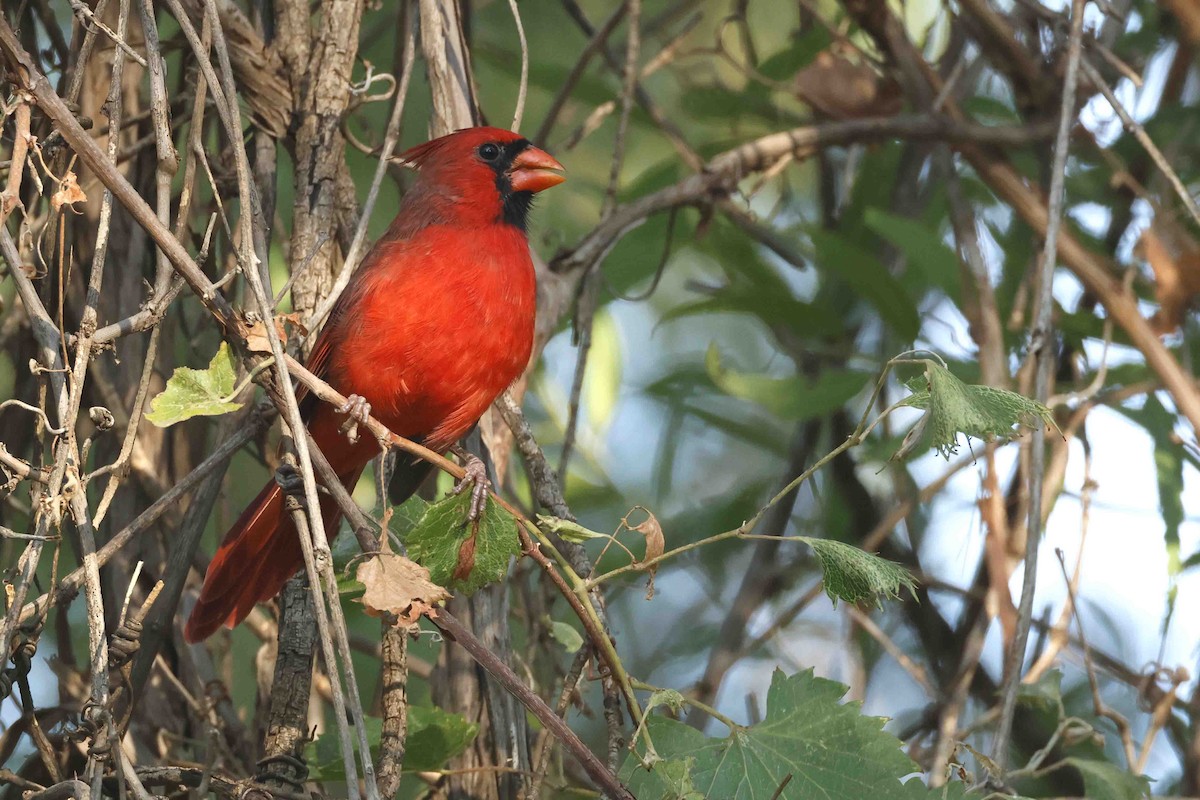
pixel 436 323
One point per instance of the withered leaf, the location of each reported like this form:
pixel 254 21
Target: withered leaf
pixel 397 586
pixel 656 544
pixel 844 89
pixel 68 192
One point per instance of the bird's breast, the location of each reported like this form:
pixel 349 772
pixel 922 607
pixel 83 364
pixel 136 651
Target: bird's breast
pixel 440 332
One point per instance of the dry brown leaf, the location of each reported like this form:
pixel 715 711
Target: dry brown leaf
pixel 1175 259
pixel 656 544
pixel 68 192
pixel 397 587
pixel 466 556
pixel 293 320
pixel 843 89
pixel 256 339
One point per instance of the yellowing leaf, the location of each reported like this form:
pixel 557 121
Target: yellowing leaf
pixel 603 386
pixel 397 587
pixel 197 392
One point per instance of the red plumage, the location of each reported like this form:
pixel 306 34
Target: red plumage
pixel 433 326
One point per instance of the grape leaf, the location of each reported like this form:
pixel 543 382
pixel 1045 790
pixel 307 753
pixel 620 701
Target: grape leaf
pixel 196 392
pixel 854 575
pixel 459 556
pixel 983 412
pixel 827 747
pixel 434 737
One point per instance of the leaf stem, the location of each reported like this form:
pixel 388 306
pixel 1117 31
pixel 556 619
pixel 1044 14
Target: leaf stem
pixel 691 701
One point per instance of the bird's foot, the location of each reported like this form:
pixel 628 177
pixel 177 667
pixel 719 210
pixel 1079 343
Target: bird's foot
pixel 357 410
pixel 476 477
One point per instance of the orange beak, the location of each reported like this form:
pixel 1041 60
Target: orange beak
pixel 534 170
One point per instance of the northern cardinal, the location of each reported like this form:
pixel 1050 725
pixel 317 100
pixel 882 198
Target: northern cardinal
pixel 436 323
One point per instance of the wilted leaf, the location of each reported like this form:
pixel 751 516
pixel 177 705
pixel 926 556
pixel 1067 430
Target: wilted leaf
pixel 656 544
pixel 1175 260
pixel 856 576
pixel 459 556
pixel 69 192
pixel 986 413
pixel 842 89
pixel 256 337
pixel 396 586
pixel 196 392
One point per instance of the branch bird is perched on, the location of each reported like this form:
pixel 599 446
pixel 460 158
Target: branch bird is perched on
pixel 436 323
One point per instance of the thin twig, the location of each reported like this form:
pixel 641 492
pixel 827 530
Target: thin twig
pixel 519 112
pixel 1041 343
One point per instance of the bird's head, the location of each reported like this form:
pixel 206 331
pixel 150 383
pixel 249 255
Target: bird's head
pixel 488 175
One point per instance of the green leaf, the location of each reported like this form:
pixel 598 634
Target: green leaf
pixel 924 248
pixel 567 636
pixel 863 272
pixel 434 737
pixel 459 556
pixel 856 576
pixel 196 392
pixel 408 515
pixel 830 750
pixel 1105 781
pixel 1046 693
pixel 797 398
pixel 799 52
pixel 953 407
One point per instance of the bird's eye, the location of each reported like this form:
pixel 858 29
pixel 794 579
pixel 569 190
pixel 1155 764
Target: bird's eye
pixel 489 152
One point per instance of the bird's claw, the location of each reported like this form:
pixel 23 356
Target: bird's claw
pixel 476 477
pixel 357 410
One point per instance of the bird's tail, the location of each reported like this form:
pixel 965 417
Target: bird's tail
pixel 256 557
